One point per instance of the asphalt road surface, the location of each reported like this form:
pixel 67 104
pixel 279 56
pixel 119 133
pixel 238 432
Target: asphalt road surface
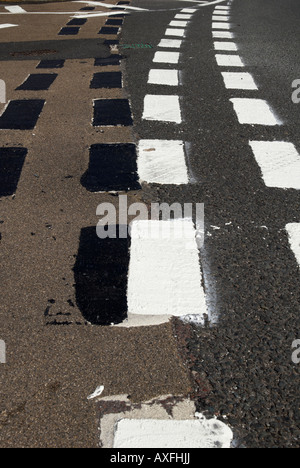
pixel 207 90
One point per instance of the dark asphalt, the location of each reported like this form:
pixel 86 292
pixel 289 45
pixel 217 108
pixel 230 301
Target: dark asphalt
pixel 251 275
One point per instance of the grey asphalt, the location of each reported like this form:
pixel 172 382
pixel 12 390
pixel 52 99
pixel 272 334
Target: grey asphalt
pixel 251 275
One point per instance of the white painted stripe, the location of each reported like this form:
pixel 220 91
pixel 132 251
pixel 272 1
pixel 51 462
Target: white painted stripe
pixel 163 77
pixel 222 7
pixel 293 230
pixel 107 5
pixel 229 60
pixel 179 24
pixel 166 57
pixel 162 162
pixel 7 25
pixel 184 17
pixel 189 10
pixel 223 35
pixel 164 271
pixel 169 434
pixel 171 43
pixel 220 13
pixel 162 108
pixel 221 26
pixel 236 80
pixel 279 163
pixel 231 46
pixel 175 32
pixel 254 112
pixel 224 19
pixel 15 9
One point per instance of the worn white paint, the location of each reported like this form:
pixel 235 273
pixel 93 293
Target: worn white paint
pixel 178 24
pixel 189 10
pixel 2 352
pixel 221 26
pixel 175 32
pixel 170 43
pixel 163 77
pixel 293 230
pixel 279 163
pixel 221 18
pixel 223 35
pixel 220 12
pixel 229 60
pixel 166 57
pixel 15 9
pixel 254 111
pixel 239 80
pixel 162 162
pixel 164 271
pixel 161 107
pixel 99 390
pixel 172 434
pixel 7 25
pixel 227 46
pixel 183 17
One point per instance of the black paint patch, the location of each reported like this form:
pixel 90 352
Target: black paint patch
pixel 114 22
pixel 108 30
pixel 38 82
pixel 101 272
pixel 114 59
pixel 111 42
pixel 106 80
pixel 11 164
pixel 87 9
pixel 51 64
pixel 70 31
pixel 77 22
pixel 112 112
pixel 112 167
pixel 21 114
pixel 123 3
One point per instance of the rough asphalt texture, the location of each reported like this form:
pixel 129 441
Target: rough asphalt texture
pixel 243 363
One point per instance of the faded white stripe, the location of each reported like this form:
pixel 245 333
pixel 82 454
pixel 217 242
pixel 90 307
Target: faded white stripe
pixel 254 112
pixel 162 162
pixel 164 271
pixel 231 46
pixel 15 9
pixel 170 43
pixel 162 108
pixel 175 32
pixel 229 61
pixel 293 230
pixel 163 77
pixel 224 19
pixel 279 163
pixel 7 25
pixel 223 35
pixel 236 80
pixel 184 17
pixel 221 26
pixel 179 24
pixel 166 57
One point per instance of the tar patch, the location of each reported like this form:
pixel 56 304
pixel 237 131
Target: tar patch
pixel 111 42
pixel 77 22
pixel 112 167
pixel 106 80
pixel 108 30
pixel 114 59
pixel 11 164
pixel 112 112
pixel 87 9
pixel 51 64
pixel 69 31
pixel 100 275
pixel 21 114
pixel 38 82
pixel 114 22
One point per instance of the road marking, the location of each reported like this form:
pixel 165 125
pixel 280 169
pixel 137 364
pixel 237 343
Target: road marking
pixel 189 10
pixel 279 163
pixel 293 230
pixel 11 165
pixel 162 108
pixel 164 271
pixel 224 19
pixel 179 24
pixel 175 32
pixel 170 43
pixel 112 112
pixel 15 9
pixel 163 77
pixel 220 13
pixel 112 167
pixel 162 162
pixel 223 35
pixel 254 112
pixel 166 57
pixel 169 434
pixel 236 80
pixel 105 5
pixel 229 60
pixel 184 17
pixel 38 82
pixel 8 25
pixel 21 114
pixel 230 46
pixel 221 26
